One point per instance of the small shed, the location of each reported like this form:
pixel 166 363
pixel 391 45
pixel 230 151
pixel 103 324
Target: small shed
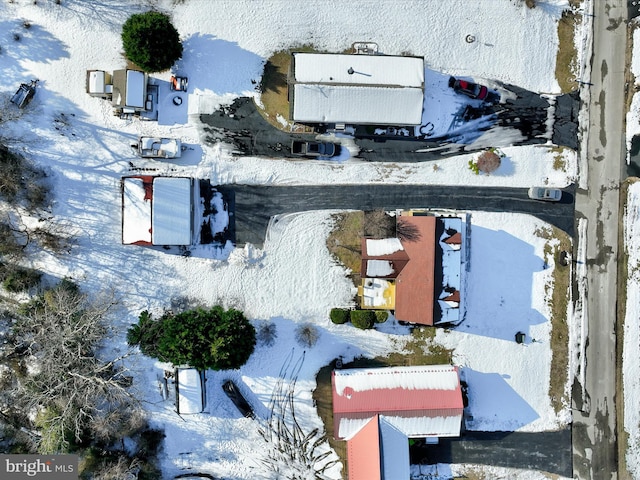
pixel 99 84
pixel 190 390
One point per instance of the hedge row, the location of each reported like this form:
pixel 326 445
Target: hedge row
pixel 363 319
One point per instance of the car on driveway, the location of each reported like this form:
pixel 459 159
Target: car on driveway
pixel 545 194
pixel 314 149
pixel 234 394
pixel 470 89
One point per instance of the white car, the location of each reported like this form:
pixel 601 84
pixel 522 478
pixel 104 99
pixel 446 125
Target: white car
pixel 545 194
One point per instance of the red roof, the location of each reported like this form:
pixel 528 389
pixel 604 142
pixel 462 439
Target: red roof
pixel 410 392
pixel 414 285
pixel 363 453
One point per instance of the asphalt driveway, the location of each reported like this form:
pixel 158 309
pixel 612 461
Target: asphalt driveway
pixel 253 206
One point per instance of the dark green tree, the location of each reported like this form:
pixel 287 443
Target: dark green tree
pixel 151 41
pixel 215 339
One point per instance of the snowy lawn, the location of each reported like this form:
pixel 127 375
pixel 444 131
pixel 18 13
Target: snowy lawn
pixel 293 280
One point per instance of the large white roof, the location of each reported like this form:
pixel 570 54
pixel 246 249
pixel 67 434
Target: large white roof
pixel 360 89
pixel 171 214
pixel 379 70
pixel 419 377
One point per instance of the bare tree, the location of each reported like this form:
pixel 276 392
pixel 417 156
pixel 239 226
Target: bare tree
pixel 293 452
pixel 71 389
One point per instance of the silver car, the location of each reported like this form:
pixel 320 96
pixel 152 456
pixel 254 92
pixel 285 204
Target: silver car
pixel 545 194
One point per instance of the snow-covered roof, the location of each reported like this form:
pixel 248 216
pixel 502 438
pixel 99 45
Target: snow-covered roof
pixel 136 212
pixel 171 211
pixel 358 105
pixel 420 377
pixel 189 391
pixel 135 90
pixel 379 268
pixel 395 451
pixel 383 246
pixel 379 70
pixel 360 89
pixel 96 81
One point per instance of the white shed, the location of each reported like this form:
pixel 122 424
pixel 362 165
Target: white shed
pixel 190 390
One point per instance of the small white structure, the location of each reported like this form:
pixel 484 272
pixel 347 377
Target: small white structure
pixel 99 84
pixel 190 390
pixel 356 89
pixel 157 210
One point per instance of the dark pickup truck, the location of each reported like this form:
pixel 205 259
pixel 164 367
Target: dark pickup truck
pixel 314 149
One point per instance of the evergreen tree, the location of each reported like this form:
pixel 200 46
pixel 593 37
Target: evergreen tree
pixel 151 41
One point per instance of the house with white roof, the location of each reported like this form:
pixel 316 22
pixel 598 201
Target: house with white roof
pixel 157 210
pixel 327 88
pixel 377 411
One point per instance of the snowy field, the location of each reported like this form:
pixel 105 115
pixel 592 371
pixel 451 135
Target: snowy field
pixel 293 279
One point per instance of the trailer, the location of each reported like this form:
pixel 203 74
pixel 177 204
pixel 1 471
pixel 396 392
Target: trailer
pixel 158 147
pixel 25 93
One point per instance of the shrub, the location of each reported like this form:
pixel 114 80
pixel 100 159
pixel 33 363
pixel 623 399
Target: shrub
pixel 488 161
pixel 473 166
pixel 363 319
pixel 381 316
pixel 21 279
pixel 307 335
pixel 339 315
pixel 214 339
pixel 151 41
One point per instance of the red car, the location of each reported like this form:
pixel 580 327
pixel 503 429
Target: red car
pixel 470 89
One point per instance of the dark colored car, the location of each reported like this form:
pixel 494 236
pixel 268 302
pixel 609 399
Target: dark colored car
pixel 314 149
pixel 233 392
pixel 470 89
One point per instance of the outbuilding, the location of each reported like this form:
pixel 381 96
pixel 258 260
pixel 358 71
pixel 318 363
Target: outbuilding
pixel 157 210
pixel 190 390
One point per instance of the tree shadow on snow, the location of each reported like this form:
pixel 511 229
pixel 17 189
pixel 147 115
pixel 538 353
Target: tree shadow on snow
pixel 219 65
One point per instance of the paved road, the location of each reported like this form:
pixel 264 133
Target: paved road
pixel 254 205
pixel 542 451
pixel 594 402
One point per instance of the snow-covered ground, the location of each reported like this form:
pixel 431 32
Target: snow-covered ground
pixel 293 279
pixel 630 366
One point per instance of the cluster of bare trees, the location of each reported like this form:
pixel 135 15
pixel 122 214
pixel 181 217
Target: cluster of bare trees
pixel 59 381
pixel 293 452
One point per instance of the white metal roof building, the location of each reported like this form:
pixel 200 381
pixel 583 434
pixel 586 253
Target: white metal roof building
pixel 356 89
pixel 157 210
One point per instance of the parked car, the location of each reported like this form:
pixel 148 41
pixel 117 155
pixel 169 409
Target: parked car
pixel 314 149
pixel 158 147
pixel 545 194
pixel 470 89
pixel 233 392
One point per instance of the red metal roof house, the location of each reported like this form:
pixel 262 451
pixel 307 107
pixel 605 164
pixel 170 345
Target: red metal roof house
pixel 377 410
